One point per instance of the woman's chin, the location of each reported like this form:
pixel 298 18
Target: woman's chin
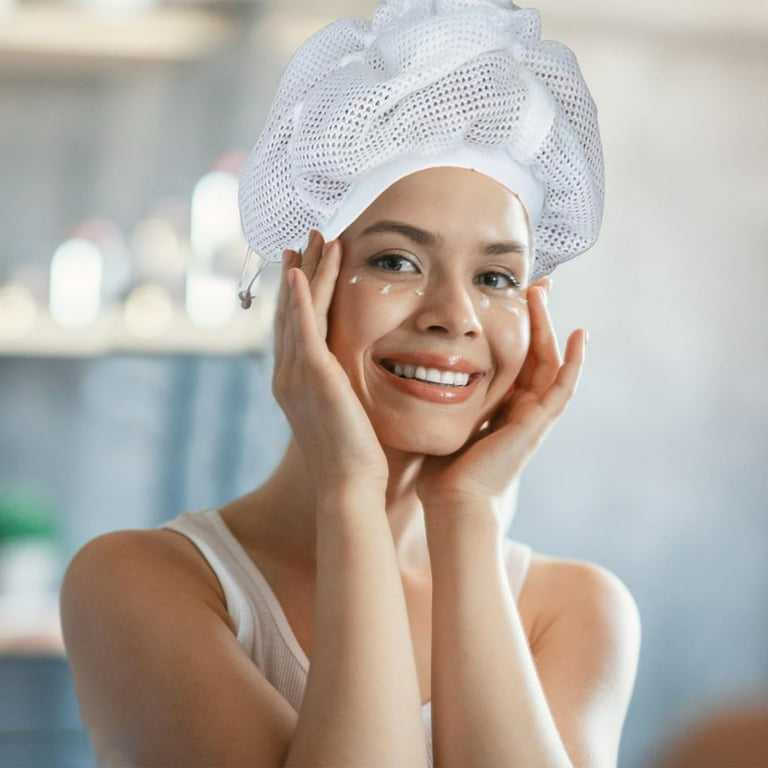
pixel 421 442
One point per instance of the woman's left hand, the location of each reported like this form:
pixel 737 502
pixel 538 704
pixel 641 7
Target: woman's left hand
pixel 486 468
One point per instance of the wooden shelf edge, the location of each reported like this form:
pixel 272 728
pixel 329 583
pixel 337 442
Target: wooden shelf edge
pixel 248 333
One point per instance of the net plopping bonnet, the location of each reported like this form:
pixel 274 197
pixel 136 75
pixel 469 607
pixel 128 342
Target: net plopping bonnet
pixel 426 83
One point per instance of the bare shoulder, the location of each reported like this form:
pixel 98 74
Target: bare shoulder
pixel 583 628
pixel 153 654
pixel 131 564
pixel 558 587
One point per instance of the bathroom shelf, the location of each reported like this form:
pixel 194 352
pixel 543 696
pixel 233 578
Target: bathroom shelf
pixel 248 333
pixel 41 644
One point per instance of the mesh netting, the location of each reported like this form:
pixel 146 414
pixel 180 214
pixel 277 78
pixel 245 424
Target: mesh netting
pixel 422 78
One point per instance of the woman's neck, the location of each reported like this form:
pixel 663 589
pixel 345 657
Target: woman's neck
pixel 280 514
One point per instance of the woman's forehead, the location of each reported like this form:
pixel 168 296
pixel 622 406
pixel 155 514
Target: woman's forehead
pixel 444 179
pixel 447 200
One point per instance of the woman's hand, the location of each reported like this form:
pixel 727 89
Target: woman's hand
pixel 487 467
pixel 326 417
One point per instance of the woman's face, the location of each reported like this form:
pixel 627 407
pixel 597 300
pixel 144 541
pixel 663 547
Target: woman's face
pixel 432 287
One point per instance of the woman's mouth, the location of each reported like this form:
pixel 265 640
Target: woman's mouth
pixel 428 375
pixel 428 380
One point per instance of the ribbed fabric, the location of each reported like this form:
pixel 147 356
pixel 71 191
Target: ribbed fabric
pixel 262 628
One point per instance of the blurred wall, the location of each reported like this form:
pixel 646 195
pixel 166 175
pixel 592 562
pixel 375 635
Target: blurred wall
pixel 657 468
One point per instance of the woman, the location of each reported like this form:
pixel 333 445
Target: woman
pixel 363 607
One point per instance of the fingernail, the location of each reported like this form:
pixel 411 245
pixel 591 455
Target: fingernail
pixel 544 296
pixel 550 282
pixel 586 338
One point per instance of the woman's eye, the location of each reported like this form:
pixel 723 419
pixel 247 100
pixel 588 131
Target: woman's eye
pixel 391 262
pixel 501 280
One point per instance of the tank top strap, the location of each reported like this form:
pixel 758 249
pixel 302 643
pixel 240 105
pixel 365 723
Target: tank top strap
pixel 202 529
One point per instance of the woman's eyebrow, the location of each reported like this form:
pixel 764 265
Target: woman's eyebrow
pixel 431 240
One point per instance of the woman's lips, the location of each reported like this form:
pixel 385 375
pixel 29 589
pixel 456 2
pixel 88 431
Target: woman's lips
pixel 429 391
pixel 428 360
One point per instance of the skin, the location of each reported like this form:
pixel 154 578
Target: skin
pixel 388 510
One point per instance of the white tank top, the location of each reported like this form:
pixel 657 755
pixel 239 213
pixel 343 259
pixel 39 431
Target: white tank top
pixel 261 626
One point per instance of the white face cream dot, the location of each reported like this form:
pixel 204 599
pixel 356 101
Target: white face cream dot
pixel 354 279
pixel 485 302
pixel 385 288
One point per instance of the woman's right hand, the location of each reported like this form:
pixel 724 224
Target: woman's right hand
pixel 326 417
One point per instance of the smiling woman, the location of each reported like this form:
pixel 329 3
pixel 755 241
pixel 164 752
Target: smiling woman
pixel 418 177
pixel 451 247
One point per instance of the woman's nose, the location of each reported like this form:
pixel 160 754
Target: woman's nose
pixel 446 307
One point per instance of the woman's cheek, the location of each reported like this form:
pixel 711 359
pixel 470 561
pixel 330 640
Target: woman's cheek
pixel 359 315
pixel 511 337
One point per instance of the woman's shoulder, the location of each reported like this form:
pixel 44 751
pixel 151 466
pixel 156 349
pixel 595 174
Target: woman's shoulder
pixel 559 573
pixel 561 590
pixel 153 655
pixel 139 564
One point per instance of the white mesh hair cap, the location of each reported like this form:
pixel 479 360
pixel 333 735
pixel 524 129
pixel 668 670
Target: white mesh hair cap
pixel 427 83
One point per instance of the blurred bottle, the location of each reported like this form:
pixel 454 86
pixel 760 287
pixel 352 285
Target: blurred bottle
pixel 161 255
pixel 160 249
pixel 89 271
pixel 217 244
pixel 18 311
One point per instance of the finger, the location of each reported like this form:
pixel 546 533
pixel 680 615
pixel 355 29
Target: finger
pixel 282 299
pixel 524 378
pixel 312 254
pixel 324 283
pixel 526 414
pixel 544 346
pixel 560 393
pixel 303 321
pixel 289 330
pixel 501 414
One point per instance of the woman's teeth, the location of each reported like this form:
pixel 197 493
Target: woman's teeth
pixel 431 375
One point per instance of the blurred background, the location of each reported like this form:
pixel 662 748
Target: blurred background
pixel 132 386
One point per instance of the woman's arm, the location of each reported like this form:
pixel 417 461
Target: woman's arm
pixel 494 701
pixel 362 704
pixel 488 708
